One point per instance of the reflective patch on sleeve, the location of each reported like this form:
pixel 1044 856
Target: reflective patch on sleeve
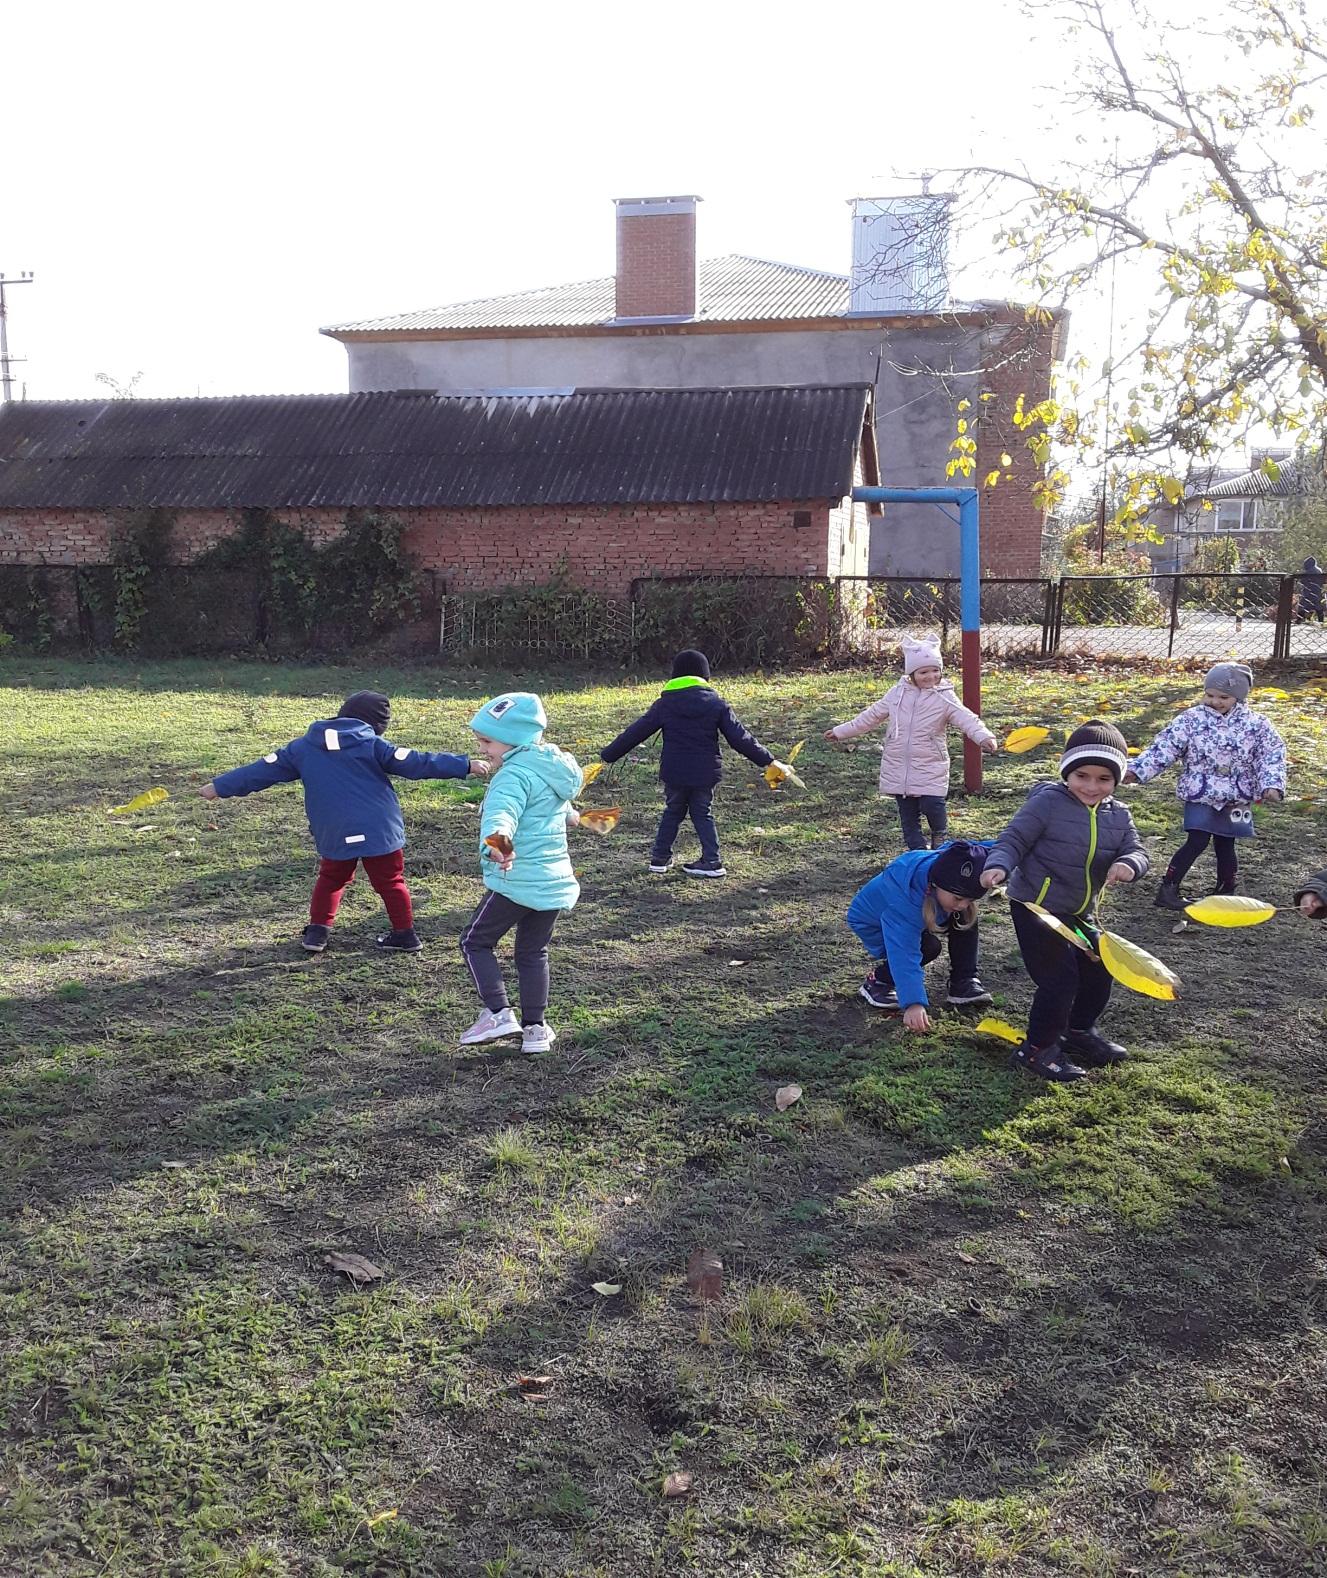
pixel 270 757
pixel 356 838
pixel 330 740
pixel 400 753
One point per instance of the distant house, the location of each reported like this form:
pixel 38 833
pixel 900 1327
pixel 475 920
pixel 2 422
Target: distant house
pixel 1240 504
pixel 663 320
pixel 600 485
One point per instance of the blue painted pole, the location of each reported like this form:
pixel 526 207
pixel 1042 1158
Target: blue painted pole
pixel 969 536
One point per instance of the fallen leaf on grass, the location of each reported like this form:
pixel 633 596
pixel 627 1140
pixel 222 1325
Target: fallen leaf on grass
pixel 140 802
pixel 705 1274
pixel 534 1397
pixel 997 1027
pixel 678 1484
pixel 733 964
pixel 603 821
pixel 785 1095
pixel 606 1289
pixel 353 1266
pixel 968 1260
pixel 381 1517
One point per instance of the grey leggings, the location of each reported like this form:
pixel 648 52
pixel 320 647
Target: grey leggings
pixel 494 918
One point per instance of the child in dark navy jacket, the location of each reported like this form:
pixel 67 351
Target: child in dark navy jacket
pixel 352 808
pixel 919 902
pixel 692 715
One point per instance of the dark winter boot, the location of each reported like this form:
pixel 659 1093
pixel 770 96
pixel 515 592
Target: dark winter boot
pixel 314 938
pixel 400 941
pixel 1169 896
pixel 1091 1049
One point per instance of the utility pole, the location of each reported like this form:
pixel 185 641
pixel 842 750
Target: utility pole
pixel 6 360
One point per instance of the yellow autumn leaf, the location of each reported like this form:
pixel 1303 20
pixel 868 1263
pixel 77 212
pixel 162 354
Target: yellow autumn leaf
pixel 381 1517
pixel 777 772
pixel 591 773
pixel 997 1027
pixel 1056 925
pixel 795 752
pixel 1024 739
pixel 1230 909
pixel 1137 969
pixel 1271 693
pixel 499 842
pixel 602 821
pixel 140 802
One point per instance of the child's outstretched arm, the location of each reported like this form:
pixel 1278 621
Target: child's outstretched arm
pixel 741 738
pixel 964 718
pixel 405 763
pixel 647 724
pixel 276 767
pixel 1163 752
pixel 1013 844
pixel 874 717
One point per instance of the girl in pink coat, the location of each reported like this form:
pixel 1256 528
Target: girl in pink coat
pixel 914 767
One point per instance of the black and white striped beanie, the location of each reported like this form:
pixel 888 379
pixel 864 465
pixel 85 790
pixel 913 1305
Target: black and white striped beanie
pixel 1096 744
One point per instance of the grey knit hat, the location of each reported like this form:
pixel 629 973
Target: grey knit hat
pixel 1096 744
pixel 1231 679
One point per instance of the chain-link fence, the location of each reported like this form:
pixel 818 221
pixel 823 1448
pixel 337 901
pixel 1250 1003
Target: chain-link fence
pixel 1305 618
pixel 1169 616
pixel 534 622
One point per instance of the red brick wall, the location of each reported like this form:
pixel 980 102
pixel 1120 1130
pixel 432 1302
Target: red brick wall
pixel 1017 361
pixel 656 265
pixel 601 547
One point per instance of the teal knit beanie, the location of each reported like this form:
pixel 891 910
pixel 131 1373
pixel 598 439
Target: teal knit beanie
pixel 516 718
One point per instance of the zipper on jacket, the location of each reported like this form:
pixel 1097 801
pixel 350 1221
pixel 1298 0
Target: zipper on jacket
pixel 1091 855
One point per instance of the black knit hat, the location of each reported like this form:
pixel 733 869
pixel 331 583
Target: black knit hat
pixel 691 665
pixel 958 869
pixel 1096 744
pixel 369 706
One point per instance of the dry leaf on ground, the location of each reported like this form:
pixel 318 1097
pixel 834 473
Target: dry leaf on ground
pixel 353 1266
pixel 678 1484
pixel 606 1289
pixel 705 1274
pixel 785 1095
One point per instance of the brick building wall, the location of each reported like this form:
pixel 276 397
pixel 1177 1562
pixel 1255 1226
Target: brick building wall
pixel 601 547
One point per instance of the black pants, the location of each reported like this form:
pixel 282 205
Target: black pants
pixel 962 955
pixel 1227 862
pixel 679 802
pixel 911 809
pixel 494 918
pixel 1073 987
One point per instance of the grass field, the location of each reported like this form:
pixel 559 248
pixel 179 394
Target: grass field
pixel 968 1324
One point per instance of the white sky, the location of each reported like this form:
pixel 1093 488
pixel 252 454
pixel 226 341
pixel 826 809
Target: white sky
pixel 199 188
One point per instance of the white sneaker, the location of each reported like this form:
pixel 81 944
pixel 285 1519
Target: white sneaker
pixel 491 1027
pixel 537 1038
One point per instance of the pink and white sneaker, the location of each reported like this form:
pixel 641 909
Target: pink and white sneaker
pixel 491 1027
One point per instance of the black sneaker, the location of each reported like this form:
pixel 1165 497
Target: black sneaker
pixel 1046 1063
pixel 878 994
pixel 1091 1048
pixel 1169 897
pixel 400 941
pixel 314 938
pixel 968 993
pixel 705 868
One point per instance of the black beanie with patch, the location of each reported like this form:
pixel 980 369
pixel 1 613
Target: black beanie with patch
pixel 369 706
pixel 1096 744
pixel 958 868
pixel 691 664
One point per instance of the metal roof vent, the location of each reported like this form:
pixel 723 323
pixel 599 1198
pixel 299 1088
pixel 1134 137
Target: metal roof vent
pixel 900 253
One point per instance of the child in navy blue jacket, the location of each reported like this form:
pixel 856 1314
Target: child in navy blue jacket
pixel 352 808
pixel 903 916
pixel 692 716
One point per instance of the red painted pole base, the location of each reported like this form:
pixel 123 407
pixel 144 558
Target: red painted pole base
pixel 972 700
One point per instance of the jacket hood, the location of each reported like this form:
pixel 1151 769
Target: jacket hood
pixel 690 699
pixel 349 734
pixel 549 763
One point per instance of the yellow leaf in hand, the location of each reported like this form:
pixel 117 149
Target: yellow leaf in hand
pixel 602 821
pixel 140 802
pixel 591 773
pixel 500 843
pixel 1230 909
pixel 1056 925
pixel 1025 739
pixel 777 772
pixel 795 752
pixel 1137 969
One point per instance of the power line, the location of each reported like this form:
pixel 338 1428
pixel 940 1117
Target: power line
pixel 6 360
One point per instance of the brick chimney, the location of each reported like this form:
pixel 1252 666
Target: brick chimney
pixel 656 257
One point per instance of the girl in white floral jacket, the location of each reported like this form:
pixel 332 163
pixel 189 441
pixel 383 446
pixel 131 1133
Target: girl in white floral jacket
pixel 1230 759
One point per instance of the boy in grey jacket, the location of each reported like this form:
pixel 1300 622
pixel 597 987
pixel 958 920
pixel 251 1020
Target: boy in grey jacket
pixel 1070 840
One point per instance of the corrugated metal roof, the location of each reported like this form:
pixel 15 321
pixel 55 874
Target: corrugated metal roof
pixel 609 446
pixel 1257 485
pixel 729 289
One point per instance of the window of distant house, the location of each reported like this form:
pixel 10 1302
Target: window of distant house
pixel 1235 515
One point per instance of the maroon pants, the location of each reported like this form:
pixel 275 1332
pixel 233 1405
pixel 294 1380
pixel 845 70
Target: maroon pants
pixel 386 873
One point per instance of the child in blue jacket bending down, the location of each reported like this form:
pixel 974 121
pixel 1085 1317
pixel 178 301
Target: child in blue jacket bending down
pixel 352 808
pixel 527 869
pixel 922 899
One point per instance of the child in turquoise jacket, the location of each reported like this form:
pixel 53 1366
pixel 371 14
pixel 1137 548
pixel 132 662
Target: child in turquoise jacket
pixel 526 866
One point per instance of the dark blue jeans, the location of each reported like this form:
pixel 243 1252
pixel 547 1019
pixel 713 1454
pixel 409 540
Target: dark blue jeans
pixel 911 809
pixel 679 803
